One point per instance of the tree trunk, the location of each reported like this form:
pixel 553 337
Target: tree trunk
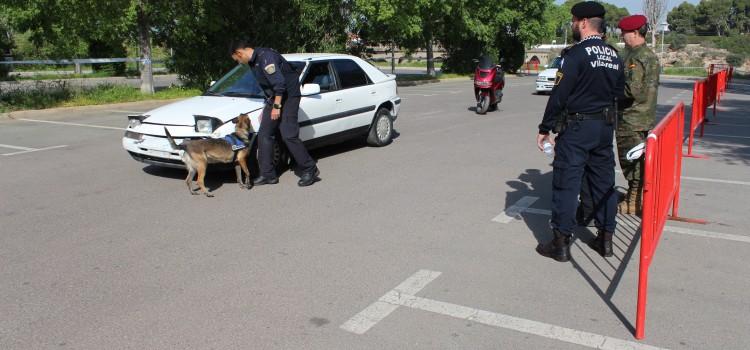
pixel 430 58
pixel 144 40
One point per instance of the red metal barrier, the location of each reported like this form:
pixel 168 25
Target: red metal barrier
pixel 698 116
pixel 661 191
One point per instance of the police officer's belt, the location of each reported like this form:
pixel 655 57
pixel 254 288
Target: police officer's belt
pixel 586 116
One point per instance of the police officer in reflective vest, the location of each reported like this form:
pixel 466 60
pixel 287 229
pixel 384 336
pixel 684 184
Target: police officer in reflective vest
pixel 582 111
pixel 280 82
pixel 639 105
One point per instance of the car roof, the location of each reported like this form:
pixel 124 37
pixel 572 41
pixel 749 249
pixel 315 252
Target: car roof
pixel 313 56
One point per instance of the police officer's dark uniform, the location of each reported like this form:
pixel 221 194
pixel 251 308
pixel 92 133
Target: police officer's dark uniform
pixel 278 78
pixel 581 107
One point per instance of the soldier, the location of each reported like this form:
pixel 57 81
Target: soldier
pixel 581 111
pixel 280 83
pixel 639 105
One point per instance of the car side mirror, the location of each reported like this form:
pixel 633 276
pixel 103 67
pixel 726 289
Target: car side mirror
pixel 212 83
pixel 310 89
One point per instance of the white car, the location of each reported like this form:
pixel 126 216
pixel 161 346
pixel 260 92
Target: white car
pixel 545 81
pixel 342 97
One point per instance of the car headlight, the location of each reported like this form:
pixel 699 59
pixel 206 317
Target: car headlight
pixel 135 120
pixel 133 135
pixel 205 124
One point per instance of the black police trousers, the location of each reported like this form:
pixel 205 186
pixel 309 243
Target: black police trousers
pixel 289 127
pixel 584 149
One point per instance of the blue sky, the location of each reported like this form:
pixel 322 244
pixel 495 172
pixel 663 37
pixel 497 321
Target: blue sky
pixel 634 6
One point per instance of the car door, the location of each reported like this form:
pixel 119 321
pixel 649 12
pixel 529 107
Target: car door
pixel 318 112
pixel 357 93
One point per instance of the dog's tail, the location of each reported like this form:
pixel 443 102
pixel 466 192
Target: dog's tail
pixel 171 140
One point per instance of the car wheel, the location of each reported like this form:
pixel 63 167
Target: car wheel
pixel 279 157
pixel 381 130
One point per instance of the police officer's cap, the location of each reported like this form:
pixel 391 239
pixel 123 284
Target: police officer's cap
pixel 633 22
pixel 587 9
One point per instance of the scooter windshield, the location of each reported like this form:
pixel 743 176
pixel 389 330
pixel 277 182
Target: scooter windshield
pixel 485 62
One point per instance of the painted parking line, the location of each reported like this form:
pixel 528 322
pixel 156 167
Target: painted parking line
pixel 16 147
pixel 403 295
pixel 521 204
pixel 29 150
pixel 70 124
pixel 705 179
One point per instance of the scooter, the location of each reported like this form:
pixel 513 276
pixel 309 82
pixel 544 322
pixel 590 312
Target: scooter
pixel 489 81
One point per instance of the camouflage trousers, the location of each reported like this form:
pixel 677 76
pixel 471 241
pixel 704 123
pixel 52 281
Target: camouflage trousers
pixel 632 170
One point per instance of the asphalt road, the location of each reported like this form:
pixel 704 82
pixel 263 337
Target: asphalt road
pixel 98 251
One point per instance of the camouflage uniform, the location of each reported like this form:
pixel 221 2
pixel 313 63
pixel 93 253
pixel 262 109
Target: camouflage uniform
pixel 638 116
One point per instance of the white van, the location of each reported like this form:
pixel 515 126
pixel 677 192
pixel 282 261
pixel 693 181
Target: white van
pixel 545 81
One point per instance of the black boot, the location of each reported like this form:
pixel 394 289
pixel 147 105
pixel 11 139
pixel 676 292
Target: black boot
pixel 309 177
pixel 558 248
pixel 602 244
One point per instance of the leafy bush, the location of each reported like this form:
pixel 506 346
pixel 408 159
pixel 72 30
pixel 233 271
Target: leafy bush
pixel 677 42
pixel 735 60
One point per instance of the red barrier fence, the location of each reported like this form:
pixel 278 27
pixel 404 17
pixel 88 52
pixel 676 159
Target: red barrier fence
pixel 661 192
pixel 706 92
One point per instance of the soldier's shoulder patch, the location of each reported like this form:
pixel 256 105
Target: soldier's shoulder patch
pixel 558 77
pixel 270 69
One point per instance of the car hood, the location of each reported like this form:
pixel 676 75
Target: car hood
pixel 549 72
pixel 182 112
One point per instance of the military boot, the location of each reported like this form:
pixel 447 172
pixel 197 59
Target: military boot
pixel 558 248
pixel 631 204
pixel 602 244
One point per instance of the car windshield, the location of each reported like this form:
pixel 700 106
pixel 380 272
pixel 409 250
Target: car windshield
pixel 556 63
pixel 240 82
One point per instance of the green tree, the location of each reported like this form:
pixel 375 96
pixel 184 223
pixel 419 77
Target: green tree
pixel 713 16
pixel 682 18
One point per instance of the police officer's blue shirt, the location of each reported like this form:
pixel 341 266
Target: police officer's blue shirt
pixel 274 74
pixel 591 76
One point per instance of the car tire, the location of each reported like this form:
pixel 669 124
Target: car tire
pixel 381 130
pixel 280 157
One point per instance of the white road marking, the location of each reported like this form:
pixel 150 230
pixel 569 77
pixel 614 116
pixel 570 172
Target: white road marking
pixel 16 147
pixel 515 210
pixel 404 296
pixel 121 111
pixel 34 150
pixel 705 179
pixel 70 124
pixel 709 234
pixel 377 311
pixel 728 136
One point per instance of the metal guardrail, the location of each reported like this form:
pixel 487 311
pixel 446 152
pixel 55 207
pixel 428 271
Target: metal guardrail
pixel 79 61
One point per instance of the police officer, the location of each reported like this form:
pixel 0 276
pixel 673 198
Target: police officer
pixel 581 111
pixel 280 83
pixel 639 104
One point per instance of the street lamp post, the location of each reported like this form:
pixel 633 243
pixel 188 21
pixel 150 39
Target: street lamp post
pixel 663 29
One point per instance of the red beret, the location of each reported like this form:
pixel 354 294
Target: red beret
pixel 633 22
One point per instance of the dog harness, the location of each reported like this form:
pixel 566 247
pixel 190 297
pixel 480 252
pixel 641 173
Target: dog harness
pixel 236 142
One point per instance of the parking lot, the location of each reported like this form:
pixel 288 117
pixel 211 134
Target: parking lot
pixel 427 243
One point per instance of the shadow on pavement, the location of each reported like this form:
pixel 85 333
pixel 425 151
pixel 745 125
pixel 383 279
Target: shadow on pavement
pixel 592 267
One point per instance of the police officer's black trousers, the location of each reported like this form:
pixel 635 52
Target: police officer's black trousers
pixel 584 149
pixel 289 127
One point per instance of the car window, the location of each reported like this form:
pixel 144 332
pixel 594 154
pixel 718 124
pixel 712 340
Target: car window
pixel 350 74
pixel 320 73
pixel 556 62
pixel 240 81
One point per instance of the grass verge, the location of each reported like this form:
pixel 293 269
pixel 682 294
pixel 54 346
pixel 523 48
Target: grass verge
pixel 418 77
pixel 687 71
pixel 62 96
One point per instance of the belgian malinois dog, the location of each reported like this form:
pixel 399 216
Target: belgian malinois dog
pixel 197 154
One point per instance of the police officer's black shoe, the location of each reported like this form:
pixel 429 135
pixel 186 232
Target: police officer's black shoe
pixel 262 180
pixel 602 244
pixel 558 248
pixel 309 177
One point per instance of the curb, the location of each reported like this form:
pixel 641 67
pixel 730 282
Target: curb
pixel 416 82
pixel 38 113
